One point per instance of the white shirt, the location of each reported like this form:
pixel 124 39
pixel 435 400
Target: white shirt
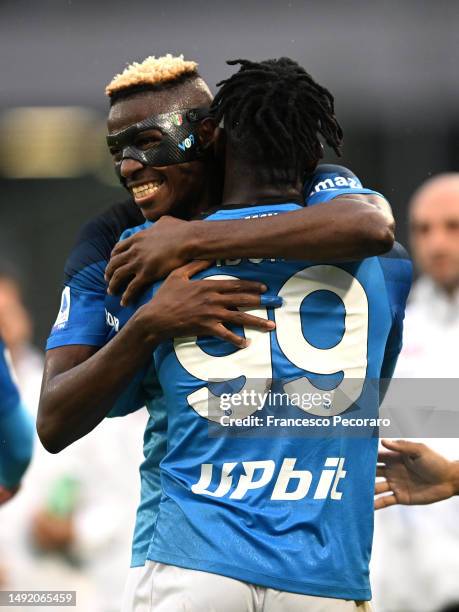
pixel 415 565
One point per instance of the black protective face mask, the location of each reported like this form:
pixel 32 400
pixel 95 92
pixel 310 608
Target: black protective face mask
pixel 179 143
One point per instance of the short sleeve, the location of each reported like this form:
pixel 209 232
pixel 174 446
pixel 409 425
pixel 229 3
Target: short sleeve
pixel 330 181
pixel 82 318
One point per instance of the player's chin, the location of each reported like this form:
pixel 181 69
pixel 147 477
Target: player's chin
pixel 154 207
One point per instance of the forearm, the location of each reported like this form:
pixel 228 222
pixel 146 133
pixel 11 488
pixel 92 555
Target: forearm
pixel 334 230
pixel 73 402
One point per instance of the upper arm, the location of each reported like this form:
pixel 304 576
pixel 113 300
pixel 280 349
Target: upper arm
pixel 331 181
pixel 374 200
pixel 81 327
pixel 81 318
pixel 64 358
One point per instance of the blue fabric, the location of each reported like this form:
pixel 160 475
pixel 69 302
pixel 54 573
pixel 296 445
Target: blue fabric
pixel 9 395
pixel 16 429
pixel 331 181
pixel 82 319
pixel 317 544
pixel 154 449
pixel 92 319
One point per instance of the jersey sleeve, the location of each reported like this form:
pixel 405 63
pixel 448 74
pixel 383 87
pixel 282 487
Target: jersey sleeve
pixel 16 429
pixel 143 388
pixel 131 399
pixel 330 181
pixel 82 318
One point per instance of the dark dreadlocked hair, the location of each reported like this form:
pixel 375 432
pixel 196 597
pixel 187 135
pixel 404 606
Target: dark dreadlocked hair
pixel 273 113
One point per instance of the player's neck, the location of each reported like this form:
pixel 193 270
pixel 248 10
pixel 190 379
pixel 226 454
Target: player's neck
pixel 205 199
pixel 212 190
pixel 244 186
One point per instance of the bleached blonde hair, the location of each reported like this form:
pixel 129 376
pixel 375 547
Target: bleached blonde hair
pixel 152 71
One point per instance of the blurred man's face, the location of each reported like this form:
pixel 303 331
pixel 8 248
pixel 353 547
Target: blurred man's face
pixel 434 221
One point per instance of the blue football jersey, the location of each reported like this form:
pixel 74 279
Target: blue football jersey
pixel 284 510
pixel 327 182
pixel 16 428
pixel 87 316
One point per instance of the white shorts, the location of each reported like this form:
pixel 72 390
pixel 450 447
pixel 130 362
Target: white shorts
pixel 166 588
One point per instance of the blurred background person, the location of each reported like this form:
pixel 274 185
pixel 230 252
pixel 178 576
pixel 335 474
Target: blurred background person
pixel 431 334
pixel 421 545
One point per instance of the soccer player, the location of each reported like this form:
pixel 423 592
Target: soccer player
pixel 16 432
pixel 277 522
pixel 362 227
pixel 359 228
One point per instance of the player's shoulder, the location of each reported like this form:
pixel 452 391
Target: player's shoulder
pixel 398 251
pixel 99 235
pixel 111 223
pixel 330 176
pixel 397 268
pixel 332 169
pixel 330 181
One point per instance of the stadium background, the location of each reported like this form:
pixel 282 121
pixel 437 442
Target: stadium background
pixel 392 67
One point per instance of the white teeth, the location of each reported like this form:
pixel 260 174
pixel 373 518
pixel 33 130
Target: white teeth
pixel 146 188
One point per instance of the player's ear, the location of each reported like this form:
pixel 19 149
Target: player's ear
pixel 207 132
pixel 219 143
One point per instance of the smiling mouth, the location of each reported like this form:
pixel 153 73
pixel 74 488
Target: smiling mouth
pixel 141 192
